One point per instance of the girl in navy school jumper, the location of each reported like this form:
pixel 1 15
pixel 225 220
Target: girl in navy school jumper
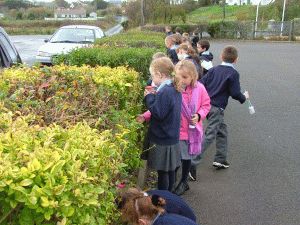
pixel 142 210
pixel 165 199
pixel 165 108
pixel 172 42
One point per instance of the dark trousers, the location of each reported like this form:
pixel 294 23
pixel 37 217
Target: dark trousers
pixel 216 130
pixel 166 180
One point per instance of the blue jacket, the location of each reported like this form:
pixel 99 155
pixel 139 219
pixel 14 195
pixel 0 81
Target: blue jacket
pixel 174 204
pixel 173 219
pixel 165 108
pixel 221 82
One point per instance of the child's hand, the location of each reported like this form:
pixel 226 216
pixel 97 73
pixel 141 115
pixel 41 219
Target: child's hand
pixel 195 119
pixel 146 92
pixel 246 93
pixel 140 119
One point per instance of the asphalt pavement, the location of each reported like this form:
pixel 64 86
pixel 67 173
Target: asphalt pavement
pixel 262 185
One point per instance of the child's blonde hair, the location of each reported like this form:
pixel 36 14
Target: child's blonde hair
pixel 158 55
pixel 189 68
pixel 186 35
pixel 164 66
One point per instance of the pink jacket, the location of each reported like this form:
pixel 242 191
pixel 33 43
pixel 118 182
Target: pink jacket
pixel 203 109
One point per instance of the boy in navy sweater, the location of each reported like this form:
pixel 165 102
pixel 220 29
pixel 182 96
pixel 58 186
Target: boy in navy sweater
pixel 206 57
pixel 221 82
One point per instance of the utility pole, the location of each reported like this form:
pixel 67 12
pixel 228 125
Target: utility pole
pixel 142 13
pixel 224 3
pixel 256 18
pixel 282 19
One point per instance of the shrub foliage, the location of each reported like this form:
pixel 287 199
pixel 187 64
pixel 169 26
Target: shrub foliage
pixel 55 167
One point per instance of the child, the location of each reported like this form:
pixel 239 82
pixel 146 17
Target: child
pixel 165 108
pixel 206 57
pixel 168 30
pixel 142 210
pixel 194 108
pixel 187 52
pixel 165 199
pixel 221 82
pixel 195 39
pixel 172 42
pixel 178 30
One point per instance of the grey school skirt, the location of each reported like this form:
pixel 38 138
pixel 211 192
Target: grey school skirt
pixel 184 150
pixel 164 157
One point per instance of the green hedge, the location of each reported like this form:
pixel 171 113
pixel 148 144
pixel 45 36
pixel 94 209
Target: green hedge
pixel 137 58
pixel 135 39
pixel 52 175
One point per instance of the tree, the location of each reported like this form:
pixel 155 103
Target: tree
pixel 16 4
pixel 61 3
pixel 100 4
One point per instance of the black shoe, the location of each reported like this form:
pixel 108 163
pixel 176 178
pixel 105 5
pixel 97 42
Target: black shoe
pixel 193 174
pixel 181 188
pixel 219 165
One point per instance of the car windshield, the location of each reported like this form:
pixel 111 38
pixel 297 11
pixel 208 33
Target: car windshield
pixel 73 35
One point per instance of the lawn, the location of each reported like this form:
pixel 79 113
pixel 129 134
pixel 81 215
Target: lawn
pixel 215 13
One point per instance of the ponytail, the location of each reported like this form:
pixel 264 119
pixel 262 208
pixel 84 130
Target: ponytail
pixel 158 201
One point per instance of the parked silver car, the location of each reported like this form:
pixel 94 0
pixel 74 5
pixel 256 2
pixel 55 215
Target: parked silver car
pixel 66 39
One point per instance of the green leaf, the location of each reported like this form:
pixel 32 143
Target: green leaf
pixel 26 182
pixel 26 217
pixel 68 211
pixel 57 167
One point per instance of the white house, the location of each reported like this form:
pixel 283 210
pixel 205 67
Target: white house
pixel 1 15
pixel 246 2
pixel 70 13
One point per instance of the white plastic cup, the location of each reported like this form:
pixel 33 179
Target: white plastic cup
pixel 251 110
pixel 192 126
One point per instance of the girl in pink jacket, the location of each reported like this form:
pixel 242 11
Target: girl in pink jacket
pixel 195 106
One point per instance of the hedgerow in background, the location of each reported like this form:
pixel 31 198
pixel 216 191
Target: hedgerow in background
pixel 135 39
pixel 134 49
pixel 53 175
pixel 137 58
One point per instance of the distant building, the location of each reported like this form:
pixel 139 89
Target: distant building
pixel 1 15
pixel 116 2
pixel 247 2
pixel 93 15
pixel 70 13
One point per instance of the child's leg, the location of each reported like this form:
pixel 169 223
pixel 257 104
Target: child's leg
pixel 186 166
pixel 221 142
pixel 163 180
pixel 213 119
pixel 172 176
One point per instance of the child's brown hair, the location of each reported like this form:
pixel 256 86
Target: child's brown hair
pixel 229 54
pixel 204 44
pixel 136 205
pixel 189 68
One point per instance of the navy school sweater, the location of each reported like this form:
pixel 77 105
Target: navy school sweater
pixel 165 108
pixel 171 53
pixel 174 204
pixel 207 56
pixel 221 82
pixel 173 219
